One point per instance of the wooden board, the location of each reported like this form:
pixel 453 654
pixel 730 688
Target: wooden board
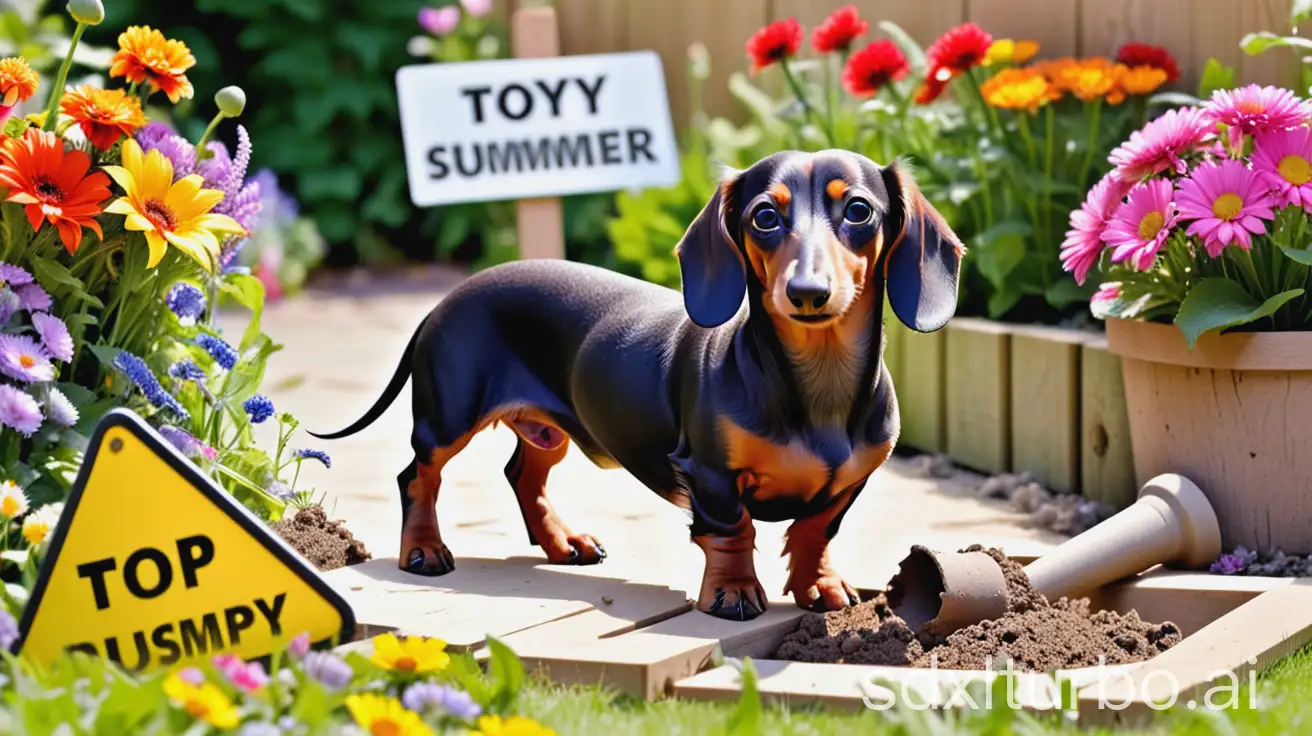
pixel 1056 28
pixel 493 596
pixel 539 223
pixel 921 388
pixel 1045 405
pixel 978 402
pixel 1106 455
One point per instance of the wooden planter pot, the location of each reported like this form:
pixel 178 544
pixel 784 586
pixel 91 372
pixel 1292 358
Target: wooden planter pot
pixel 1231 415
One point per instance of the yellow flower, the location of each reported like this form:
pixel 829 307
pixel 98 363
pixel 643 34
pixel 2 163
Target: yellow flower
pixel 1141 80
pixel 513 726
pixel 411 655
pixel 17 81
pixel 167 211
pixel 1018 89
pixel 37 525
pixel 204 702
pixel 1008 51
pixel 13 502
pixel 382 716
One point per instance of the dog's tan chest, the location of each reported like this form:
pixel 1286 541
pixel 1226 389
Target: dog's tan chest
pixel 771 470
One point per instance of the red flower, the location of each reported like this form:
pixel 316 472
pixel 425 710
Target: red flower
pixel 1142 54
pixel 779 40
pixel 933 87
pixel 959 49
pixel 873 67
pixel 839 30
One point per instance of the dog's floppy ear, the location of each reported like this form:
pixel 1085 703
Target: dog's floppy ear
pixel 710 263
pixel 923 261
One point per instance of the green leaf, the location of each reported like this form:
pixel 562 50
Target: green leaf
pixel 1215 76
pixel 1297 255
pixel 998 250
pixel 105 353
pixel 248 374
pixel 1262 41
pixel 1174 99
pixel 77 395
pixel 507 671
pixel 745 720
pixel 248 291
pixel 15 126
pixel 1066 292
pixel 1219 303
pixel 341 183
pixel 1300 10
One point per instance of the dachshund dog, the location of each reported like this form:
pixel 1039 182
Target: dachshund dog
pixel 760 395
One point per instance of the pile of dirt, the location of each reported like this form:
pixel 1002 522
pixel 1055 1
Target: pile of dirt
pixel 327 544
pixel 1037 636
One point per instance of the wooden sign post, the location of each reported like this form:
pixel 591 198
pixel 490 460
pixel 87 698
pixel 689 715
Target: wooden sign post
pixel 539 223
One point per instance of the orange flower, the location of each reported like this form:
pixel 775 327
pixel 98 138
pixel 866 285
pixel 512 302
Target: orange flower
pixel 1087 79
pixel 103 114
pixel 144 55
pixel 17 81
pixel 1018 89
pixel 53 184
pixel 1141 80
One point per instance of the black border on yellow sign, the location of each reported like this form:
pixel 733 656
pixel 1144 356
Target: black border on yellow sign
pixel 277 546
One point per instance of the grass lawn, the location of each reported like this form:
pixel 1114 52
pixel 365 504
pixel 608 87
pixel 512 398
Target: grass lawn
pixel 1284 707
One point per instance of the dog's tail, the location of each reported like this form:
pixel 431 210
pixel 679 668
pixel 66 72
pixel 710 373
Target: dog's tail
pixel 394 387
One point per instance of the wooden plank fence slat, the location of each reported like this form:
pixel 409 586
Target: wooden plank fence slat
pixel 1106 456
pixel 978 383
pixel 593 26
pixel 921 387
pixel 925 21
pixel 1045 403
pixel 1054 25
pixel 1107 24
pixel 1276 66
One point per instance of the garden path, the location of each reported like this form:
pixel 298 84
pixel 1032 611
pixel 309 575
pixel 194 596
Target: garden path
pixel 342 340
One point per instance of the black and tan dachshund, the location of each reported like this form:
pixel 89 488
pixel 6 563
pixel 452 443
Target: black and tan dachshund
pixel 761 394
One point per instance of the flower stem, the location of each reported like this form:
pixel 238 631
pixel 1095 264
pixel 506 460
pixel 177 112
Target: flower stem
pixel 811 114
pixel 1049 133
pixel 57 92
pixel 1095 118
pixel 201 151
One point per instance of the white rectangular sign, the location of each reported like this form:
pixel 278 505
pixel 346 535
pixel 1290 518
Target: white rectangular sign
pixel 523 128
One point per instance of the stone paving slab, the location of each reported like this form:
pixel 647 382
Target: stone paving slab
pixel 342 342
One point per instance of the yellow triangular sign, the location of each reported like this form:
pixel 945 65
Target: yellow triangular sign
pixel 152 565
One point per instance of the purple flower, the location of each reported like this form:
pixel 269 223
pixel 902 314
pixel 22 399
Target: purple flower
pixel 439 21
pixel 191 676
pixel 187 444
pixel 1228 564
pixel 54 335
pixel 10 303
pixel 222 352
pixel 280 490
pixel 175 148
pixel 187 301
pixel 13 275
pixel 19 411
pixel 185 370
pixel 477 8
pixel 23 359
pixel 33 298
pixel 319 455
pixel 328 669
pixel 300 646
pixel 279 207
pixel 8 629
pixel 59 409
pixel 259 407
pixel 425 695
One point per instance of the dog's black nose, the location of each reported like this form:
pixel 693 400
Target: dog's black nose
pixel 808 290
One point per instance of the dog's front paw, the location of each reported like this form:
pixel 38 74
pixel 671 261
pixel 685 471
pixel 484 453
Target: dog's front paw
pixel 428 560
pixel 736 601
pixel 575 549
pixel 823 592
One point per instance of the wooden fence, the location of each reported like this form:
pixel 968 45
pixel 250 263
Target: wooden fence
pixel 1193 30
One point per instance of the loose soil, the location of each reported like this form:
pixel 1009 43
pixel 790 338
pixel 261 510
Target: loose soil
pixel 1037 636
pixel 327 544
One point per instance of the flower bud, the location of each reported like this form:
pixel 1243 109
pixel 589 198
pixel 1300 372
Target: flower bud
pixel 231 101
pixel 90 12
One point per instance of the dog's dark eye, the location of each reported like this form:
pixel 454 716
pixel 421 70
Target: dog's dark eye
pixel 765 218
pixel 858 212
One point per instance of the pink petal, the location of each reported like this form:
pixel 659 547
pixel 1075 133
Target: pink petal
pixel 1253 225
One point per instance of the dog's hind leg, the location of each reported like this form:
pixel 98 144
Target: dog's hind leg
pixel 422 549
pixel 527 472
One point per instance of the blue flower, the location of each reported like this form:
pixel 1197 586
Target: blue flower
pixel 319 455
pixel 422 696
pixel 259 407
pixel 186 301
pixel 185 370
pixel 139 373
pixel 328 669
pixel 222 352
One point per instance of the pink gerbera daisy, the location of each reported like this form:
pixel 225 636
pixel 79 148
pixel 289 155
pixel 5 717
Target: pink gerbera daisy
pixel 1284 159
pixel 54 335
pixel 1083 244
pixel 19 411
pixel 1254 109
pixel 1227 202
pixel 1159 145
pixel 22 359
pixel 1139 227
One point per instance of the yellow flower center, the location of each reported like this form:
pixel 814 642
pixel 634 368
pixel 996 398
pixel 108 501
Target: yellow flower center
pixel 1151 224
pixel 160 215
pixel 405 664
pixel 26 361
pixel 196 708
pixel 1295 169
pixel 9 507
pixel 35 532
pixel 1227 206
pixel 386 727
pixel 1252 107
